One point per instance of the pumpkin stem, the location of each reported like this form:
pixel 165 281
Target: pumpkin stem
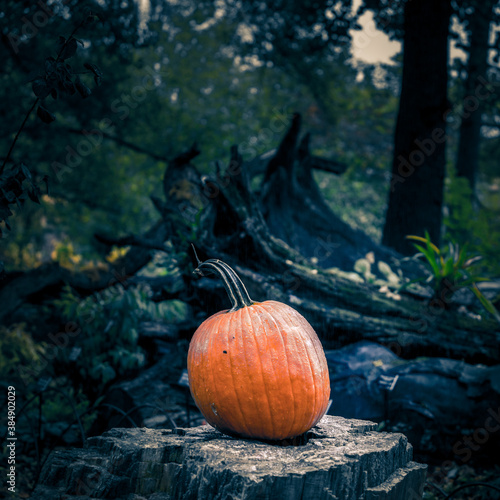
pixel 198 261
pixel 234 286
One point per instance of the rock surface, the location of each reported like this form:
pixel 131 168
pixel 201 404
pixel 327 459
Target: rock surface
pixel 435 400
pixel 343 459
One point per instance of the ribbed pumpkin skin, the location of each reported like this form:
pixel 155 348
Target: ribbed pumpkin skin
pixel 259 372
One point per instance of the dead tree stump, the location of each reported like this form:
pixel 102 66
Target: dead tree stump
pixel 342 459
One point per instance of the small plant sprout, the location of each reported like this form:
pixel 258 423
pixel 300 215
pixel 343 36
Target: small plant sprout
pixel 450 270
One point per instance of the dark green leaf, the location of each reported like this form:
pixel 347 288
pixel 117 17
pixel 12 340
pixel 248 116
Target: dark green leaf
pixel 9 196
pixel 69 87
pixel 69 49
pixel 93 17
pixel 50 65
pixel 485 302
pixel 89 19
pixel 429 255
pixel 40 88
pixel 83 90
pixel 33 194
pixel 45 115
pixel 448 269
pixel 26 171
pixel 461 257
pixel 94 68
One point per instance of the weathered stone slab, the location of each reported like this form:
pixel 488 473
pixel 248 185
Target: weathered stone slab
pixel 343 459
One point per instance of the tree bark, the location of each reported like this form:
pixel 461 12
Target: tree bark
pixel 296 212
pixel 473 104
pixel 343 458
pixel 418 169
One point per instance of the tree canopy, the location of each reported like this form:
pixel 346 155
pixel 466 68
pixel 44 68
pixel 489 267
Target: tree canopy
pixel 215 73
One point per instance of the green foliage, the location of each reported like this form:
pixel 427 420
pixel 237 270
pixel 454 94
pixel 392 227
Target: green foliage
pixel 108 332
pixel 479 227
pixel 450 270
pixel 17 349
pixel 48 409
pixel 58 79
pixel 65 404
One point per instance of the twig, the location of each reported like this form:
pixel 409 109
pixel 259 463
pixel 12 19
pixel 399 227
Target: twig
pixel 471 485
pixel 6 159
pixel 37 100
pixel 149 405
pixel 131 240
pixel 122 142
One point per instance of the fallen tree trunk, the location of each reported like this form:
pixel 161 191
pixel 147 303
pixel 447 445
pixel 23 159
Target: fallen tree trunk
pixel 19 288
pixel 231 226
pixel 342 311
pixel 296 212
pixel 181 186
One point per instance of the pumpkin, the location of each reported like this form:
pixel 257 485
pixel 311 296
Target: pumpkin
pixel 257 370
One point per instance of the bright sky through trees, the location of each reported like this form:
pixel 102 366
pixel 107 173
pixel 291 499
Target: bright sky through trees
pixel 371 45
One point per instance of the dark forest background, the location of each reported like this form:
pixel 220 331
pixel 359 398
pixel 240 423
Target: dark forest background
pixel 118 122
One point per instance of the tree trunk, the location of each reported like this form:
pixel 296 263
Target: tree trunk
pixel 343 458
pixel 295 211
pixel 472 102
pixel 416 191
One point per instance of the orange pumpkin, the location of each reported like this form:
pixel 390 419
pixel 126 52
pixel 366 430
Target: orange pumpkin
pixel 257 370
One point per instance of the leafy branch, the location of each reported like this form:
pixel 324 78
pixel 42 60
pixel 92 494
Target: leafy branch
pixel 58 79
